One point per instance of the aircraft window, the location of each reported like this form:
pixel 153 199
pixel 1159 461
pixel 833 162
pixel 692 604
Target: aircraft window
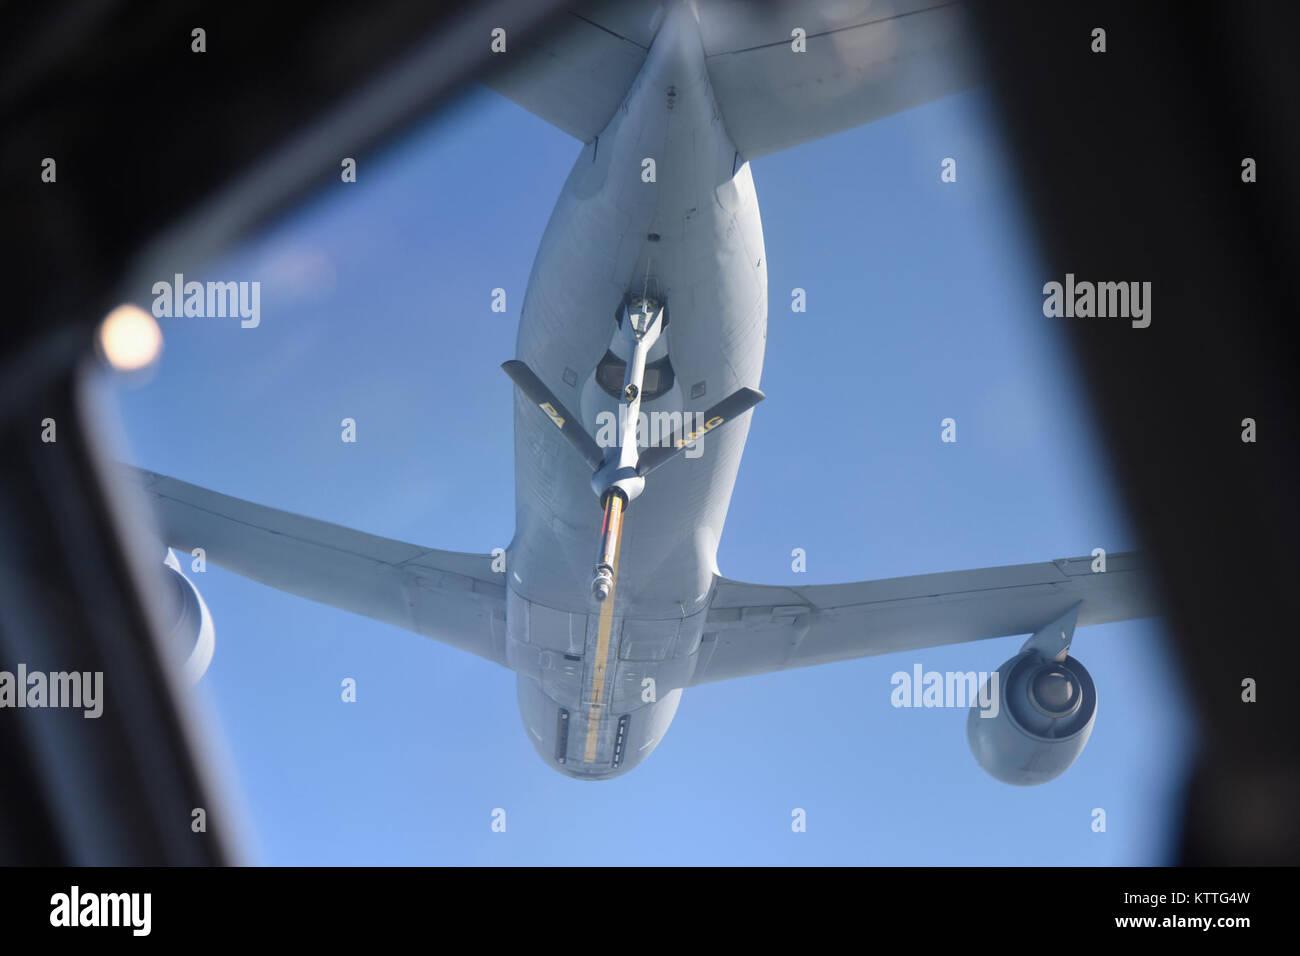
pixel 610 372
pixel 657 380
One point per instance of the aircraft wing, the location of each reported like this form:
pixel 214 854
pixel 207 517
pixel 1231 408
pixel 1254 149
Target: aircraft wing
pixel 863 60
pixel 453 597
pixel 756 629
pixel 573 76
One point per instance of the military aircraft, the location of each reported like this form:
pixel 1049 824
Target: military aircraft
pixel 637 369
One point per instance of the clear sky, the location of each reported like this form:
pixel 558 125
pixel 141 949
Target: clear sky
pixel 924 302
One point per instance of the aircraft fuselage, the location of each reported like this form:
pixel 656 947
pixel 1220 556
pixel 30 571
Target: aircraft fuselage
pixel 660 200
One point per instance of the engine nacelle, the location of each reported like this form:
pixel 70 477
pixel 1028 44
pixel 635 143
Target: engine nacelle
pixel 188 623
pixel 1044 716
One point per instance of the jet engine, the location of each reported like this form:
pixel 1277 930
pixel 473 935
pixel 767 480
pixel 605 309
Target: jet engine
pixel 1032 718
pixel 188 622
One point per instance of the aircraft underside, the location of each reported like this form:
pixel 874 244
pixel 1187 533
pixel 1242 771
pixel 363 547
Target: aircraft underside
pixel 648 301
pixel 677 245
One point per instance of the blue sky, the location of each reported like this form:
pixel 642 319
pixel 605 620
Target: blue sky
pixel 924 302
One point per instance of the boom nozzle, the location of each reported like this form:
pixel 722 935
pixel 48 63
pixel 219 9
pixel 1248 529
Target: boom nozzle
pixel 603 582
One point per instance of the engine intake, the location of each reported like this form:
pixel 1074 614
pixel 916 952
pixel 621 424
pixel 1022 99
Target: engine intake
pixel 1044 716
pixel 189 623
